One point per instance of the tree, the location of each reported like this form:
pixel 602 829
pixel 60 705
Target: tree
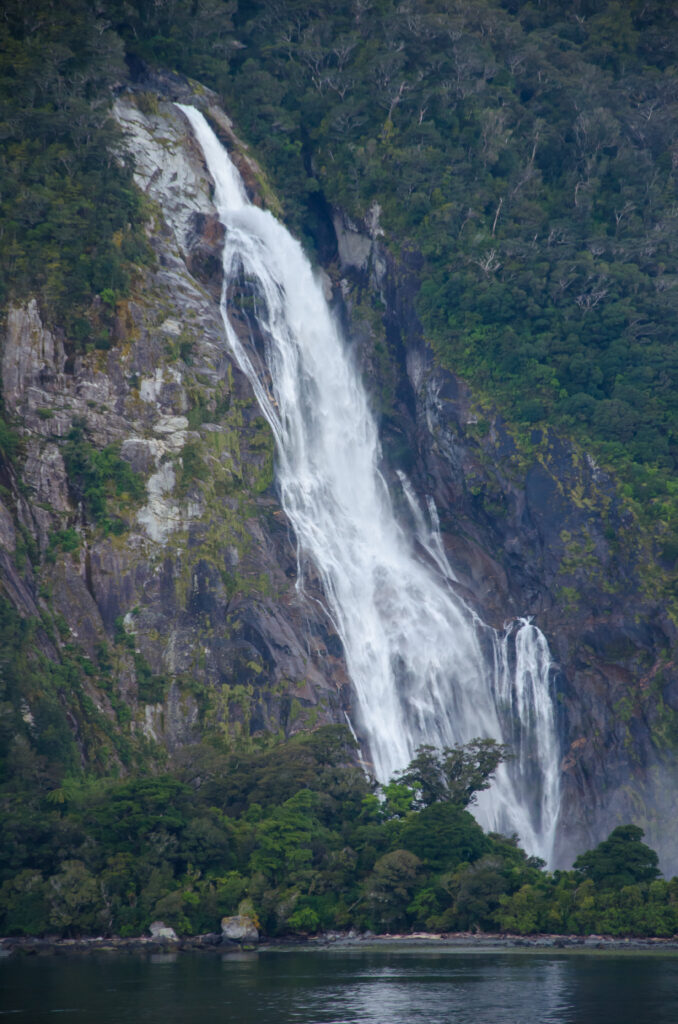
pixel 443 836
pixel 524 911
pixel 424 774
pixel 74 899
pixel 23 905
pixel 454 774
pixel 476 890
pixel 390 887
pixel 470 768
pixel 620 860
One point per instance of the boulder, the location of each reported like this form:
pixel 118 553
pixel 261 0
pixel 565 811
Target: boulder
pixel 239 929
pixel 159 930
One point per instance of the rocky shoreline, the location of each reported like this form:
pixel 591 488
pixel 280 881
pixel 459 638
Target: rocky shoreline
pixel 217 943
pixel 473 940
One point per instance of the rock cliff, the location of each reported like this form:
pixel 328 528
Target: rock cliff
pixel 189 584
pixel 533 527
pixel 185 584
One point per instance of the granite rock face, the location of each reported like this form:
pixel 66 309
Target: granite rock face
pixel 239 929
pixel 159 930
pixel 195 595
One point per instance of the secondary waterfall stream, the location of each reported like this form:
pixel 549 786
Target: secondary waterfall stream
pixel 424 667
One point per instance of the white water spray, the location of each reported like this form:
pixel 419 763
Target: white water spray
pixel 424 667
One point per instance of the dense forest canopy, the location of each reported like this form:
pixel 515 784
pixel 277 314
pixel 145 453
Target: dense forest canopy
pixel 68 208
pixel 297 838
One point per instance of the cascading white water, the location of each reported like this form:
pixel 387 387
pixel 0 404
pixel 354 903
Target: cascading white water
pixel 424 667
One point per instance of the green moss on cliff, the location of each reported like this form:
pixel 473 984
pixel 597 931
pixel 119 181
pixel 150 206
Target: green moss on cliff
pixel 51 722
pixel 104 482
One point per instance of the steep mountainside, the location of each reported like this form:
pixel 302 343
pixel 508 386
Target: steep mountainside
pixel 140 530
pixel 148 592
pixel 544 532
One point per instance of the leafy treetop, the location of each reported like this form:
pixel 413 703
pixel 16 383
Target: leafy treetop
pixel 621 859
pixel 455 774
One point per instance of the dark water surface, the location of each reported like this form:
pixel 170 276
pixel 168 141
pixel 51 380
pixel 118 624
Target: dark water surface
pixel 343 987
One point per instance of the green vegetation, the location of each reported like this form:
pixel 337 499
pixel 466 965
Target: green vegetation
pixel 49 724
pixel 10 442
pixel 67 540
pixel 523 157
pixel 70 217
pixel 97 476
pixel 454 774
pixel 298 833
pixel 191 36
pixel 620 861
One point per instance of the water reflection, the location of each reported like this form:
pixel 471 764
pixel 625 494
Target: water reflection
pixel 440 990
pixel 440 987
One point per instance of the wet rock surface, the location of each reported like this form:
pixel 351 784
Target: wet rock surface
pixel 540 532
pixel 239 928
pixel 215 943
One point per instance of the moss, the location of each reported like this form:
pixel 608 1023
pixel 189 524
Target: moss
pixel 105 483
pixel 229 467
pixel 26 549
pixel 625 709
pixel 569 598
pixel 227 710
pixel 192 468
pixel 151 688
pixel 181 347
pixel 67 540
pixel 147 103
pixel 259 465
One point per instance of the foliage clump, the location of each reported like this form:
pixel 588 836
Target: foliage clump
pixel 455 774
pixel 621 860
pixel 98 476
pixel 299 835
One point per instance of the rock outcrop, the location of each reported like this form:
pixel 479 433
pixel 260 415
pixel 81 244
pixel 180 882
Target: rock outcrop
pixel 239 928
pixel 191 587
pixel 159 930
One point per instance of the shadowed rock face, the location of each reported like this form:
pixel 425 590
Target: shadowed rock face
pixel 548 540
pixel 202 581
pixel 539 532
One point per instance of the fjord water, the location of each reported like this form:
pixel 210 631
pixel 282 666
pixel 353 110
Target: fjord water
pixel 338 987
pixel 424 668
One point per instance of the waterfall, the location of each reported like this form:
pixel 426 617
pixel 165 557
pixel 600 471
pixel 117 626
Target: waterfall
pixel 424 667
